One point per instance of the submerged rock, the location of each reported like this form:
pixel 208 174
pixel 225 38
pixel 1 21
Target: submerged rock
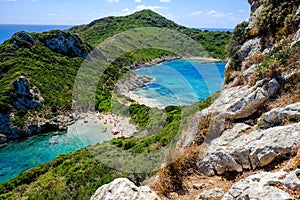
pixel 123 189
pixel 265 185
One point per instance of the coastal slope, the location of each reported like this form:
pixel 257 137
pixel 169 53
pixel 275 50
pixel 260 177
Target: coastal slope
pixel 38 70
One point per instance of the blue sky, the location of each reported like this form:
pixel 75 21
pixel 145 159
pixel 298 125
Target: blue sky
pixel 191 13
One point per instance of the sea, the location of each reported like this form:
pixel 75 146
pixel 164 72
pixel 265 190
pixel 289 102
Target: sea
pixel 178 82
pixel 181 82
pixel 7 30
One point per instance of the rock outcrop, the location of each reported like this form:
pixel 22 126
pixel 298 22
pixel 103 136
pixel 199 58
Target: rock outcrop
pixel 265 185
pixel 234 151
pixel 131 82
pixel 27 97
pixel 233 103
pixel 279 115
pixel 67 44
pixel 153 62
pixel 123 189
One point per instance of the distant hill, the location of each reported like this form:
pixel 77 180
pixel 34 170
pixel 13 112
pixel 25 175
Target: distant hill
pixel 97 31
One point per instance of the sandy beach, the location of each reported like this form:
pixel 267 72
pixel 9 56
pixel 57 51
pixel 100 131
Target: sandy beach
pixel 205 59
pixel 145 101
pixel 110 122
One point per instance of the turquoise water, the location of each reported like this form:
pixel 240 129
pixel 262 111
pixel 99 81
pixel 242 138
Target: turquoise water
pixel 7 30
pixel 19 156
pixel 181 82
pixel 178 82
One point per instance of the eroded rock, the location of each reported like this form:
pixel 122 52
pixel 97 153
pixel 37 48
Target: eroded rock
pixel 123 189
pixel 279 115
pixel 68 44
pixel 210 194
pixel 27 97
pixel 236 152
pixel 262 186
pixel 243 101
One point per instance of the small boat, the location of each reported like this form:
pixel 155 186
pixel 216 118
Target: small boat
pixel 115 131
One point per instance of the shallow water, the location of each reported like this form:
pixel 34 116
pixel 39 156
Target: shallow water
pixel 178 82
pixel 181 82
pixel 18 156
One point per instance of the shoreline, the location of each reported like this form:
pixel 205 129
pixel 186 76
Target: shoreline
pixel 110 121
pixel 209 60
pixel 141 81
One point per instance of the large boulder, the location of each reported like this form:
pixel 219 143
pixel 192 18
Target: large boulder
pixel 265 185
pixel 243 101
pixel 235 151
pixel 279 115
pixel 123 189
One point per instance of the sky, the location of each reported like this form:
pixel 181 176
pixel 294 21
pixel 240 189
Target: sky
pixel 190 13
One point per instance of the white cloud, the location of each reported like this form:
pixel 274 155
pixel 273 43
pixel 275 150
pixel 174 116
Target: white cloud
pixel 11 0
pixel 241 11
pixel 195 13
pixel 125 11
pixel 137 1
pixel 112 1
pixel 212 12
pixel 34 0
pixel 144 7
pixel 165 1
pixel 51 14
pixel 229 16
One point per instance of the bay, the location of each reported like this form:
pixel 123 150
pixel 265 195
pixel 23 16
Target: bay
pixel 181 82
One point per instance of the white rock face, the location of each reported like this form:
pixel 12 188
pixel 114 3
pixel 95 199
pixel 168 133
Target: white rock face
pixel 243 101
pixel 233 103
pixel 261 186
pixel 210 194
pixel 27 98
pixel 250 47
pixel 123 189
pixel 235 152
pixel 278 115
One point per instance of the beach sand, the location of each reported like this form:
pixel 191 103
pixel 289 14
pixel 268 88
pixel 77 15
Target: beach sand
pixel 145 101
pixel 110 122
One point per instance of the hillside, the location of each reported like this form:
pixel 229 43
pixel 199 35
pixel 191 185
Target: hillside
pixel 99 30
pixel 37 71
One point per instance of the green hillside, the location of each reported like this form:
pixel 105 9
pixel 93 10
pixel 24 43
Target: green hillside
pixel 99 30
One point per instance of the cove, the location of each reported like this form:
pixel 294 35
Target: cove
pixel 178 82
pixel 181 82
pixel 17 157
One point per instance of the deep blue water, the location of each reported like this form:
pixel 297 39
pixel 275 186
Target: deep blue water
pixel 181 82
pixel 7 30
pixel 216 29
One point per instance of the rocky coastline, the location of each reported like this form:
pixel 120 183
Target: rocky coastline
pixel 154 62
